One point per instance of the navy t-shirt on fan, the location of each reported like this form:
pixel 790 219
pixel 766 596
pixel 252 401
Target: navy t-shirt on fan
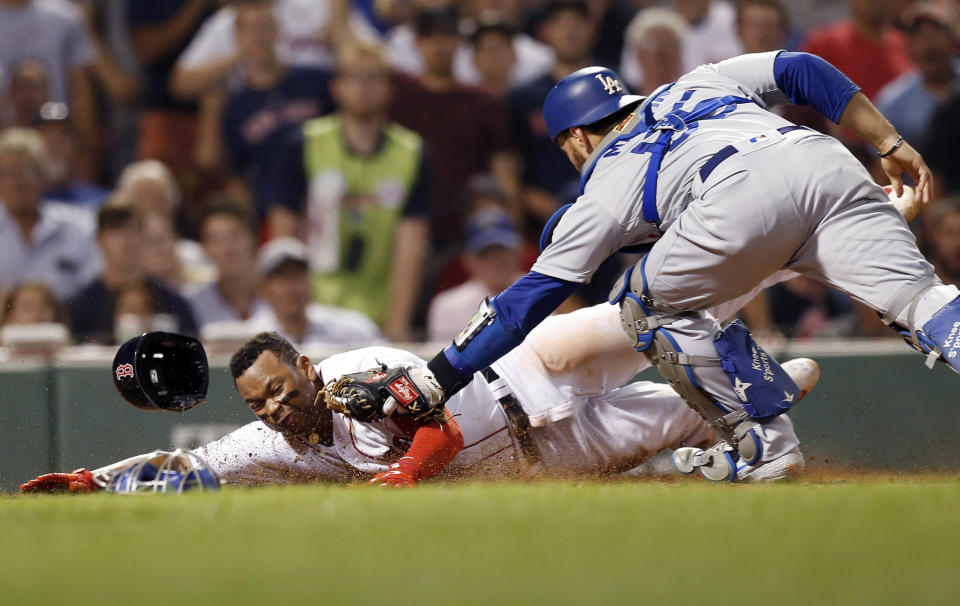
pixel 257 122
pixel 152 13
pixel 545 166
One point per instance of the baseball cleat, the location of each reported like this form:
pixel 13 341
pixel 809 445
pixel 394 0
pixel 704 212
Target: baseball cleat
pixel 784 467
pixel 719 462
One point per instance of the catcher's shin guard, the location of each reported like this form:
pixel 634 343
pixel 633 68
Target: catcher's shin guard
pixel 650 338
pixel 939 337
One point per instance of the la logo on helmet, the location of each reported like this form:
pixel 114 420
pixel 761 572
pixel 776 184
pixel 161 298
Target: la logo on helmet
pixel 610 84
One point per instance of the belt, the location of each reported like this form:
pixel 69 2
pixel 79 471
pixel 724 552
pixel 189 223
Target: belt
pixel 517 420
pixel 729 150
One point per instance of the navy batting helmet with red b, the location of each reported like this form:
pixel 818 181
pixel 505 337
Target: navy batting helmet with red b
pixel 162 371
pixel 586 96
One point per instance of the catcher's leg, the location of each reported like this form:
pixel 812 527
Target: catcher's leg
pixel 722 374
pixel 776 464
pixel 927 316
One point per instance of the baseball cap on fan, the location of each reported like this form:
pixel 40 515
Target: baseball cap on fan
pixel 491 227
pixel 279 251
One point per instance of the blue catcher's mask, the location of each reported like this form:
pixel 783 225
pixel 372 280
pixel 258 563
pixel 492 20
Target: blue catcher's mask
pixel 164 472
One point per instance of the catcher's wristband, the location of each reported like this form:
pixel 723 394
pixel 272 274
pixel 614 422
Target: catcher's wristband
pixel 895 147
pixel 447 376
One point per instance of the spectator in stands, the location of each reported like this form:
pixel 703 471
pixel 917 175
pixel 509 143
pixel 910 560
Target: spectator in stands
pixel 229 237
pixel 38 241
pixel 159 32
pixel 150 187
pixel 711 36
pixel 762 25
pixel 563 25
pixel 135 312
pixel 55 125
pixel 119 73
pixel 803 308
pixel 308 34
pixel 367 203
pixel 28 91
pixel 909 101
pixel 493 56
pixel 492 260
pixel 53 34
pixel 465 129
pixel 274 99
pixel 943 235
pixel 656 37
pixel 32 303
pixel 92 310
pixel 865 47
pixel 533 58
pixel 160 259
pixel 283 269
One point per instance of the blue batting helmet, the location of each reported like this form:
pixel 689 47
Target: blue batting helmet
pixel 586 96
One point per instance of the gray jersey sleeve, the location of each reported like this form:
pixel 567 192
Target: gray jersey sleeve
pixel 585 236
pixel 753 72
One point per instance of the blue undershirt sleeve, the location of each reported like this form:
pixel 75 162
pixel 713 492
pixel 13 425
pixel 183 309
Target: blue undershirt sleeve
pixel 809 80
pixel 518 310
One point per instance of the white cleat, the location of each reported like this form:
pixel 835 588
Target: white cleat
pixel 718 463
pixel 782 468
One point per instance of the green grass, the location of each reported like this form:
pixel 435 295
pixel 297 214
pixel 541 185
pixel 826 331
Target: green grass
pixel 872 542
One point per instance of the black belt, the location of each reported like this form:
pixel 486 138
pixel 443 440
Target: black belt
pixel 518 420
pixel 729 150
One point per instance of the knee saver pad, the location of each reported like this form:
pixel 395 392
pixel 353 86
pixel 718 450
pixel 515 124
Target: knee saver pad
pixel 943 333
pixel 763 386
pixel 634 314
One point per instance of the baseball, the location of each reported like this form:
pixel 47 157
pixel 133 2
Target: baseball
pixel 907 204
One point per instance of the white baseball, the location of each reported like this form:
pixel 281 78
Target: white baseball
pixel 906 204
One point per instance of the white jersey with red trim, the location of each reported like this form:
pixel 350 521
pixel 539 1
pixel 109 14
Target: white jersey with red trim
pixel 567 376
pixel 257 454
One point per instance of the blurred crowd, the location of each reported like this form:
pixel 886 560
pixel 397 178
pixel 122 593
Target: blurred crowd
pixel 358 171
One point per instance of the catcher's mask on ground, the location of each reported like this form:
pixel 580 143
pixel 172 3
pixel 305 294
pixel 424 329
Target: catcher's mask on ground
pixel 162 371
pixel 282 395
pixel 169 472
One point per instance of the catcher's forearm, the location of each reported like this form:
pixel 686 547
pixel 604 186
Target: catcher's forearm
pixel 866 121
pixel 434 446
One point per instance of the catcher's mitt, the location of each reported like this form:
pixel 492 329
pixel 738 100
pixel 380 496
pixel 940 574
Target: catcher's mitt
pixel 367 396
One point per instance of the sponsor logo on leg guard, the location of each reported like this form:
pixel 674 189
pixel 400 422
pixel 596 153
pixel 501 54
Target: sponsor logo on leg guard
pixel 940 337
pixel 764 387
